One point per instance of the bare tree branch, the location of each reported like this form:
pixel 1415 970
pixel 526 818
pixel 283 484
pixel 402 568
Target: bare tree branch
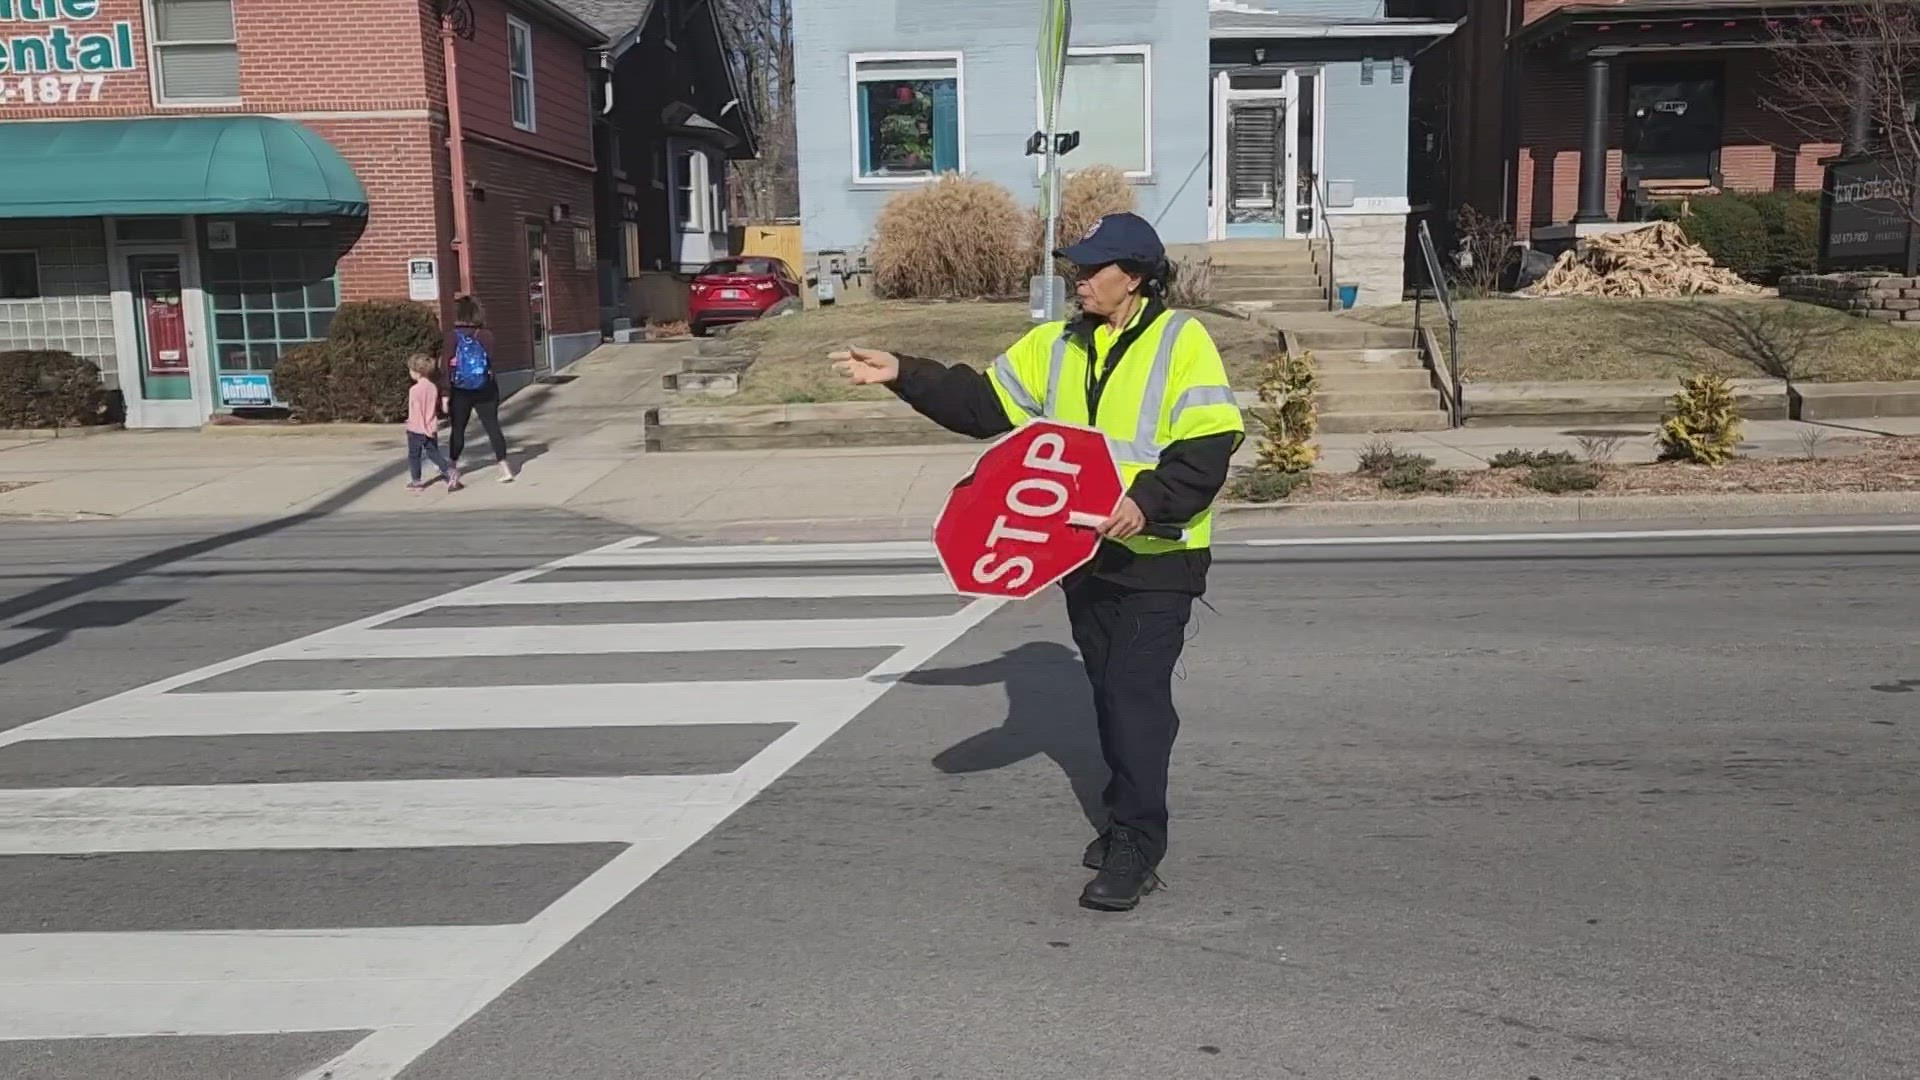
pixel 758 37
pixel 1867 53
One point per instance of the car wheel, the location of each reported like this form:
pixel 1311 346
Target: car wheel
pixel 789 306
pixel 700 330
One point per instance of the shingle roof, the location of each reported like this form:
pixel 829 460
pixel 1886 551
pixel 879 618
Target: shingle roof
pixel 614 18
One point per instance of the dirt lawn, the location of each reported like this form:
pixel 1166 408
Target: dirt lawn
pixel 1569 338
pixel 793 369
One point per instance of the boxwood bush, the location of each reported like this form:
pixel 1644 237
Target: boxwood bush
pixel 43 388
pixel 359 374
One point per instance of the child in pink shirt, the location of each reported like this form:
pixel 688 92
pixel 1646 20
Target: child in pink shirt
pixel 423 424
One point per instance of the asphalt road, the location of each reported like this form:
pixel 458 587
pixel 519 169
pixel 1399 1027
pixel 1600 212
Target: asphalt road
pixel 1559 808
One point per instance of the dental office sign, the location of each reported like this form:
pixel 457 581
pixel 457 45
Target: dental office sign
pixel 59 52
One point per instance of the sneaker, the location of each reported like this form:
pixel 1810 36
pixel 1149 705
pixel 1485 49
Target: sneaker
pixel 453 480
pixel 1125 879
pixel 416 485
pixel 506 472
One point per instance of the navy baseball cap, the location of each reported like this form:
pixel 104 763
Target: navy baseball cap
pixel 1116 238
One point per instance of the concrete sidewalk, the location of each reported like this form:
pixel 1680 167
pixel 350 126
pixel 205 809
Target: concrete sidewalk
pixel 581 445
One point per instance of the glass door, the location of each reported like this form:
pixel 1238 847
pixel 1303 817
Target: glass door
pixel 537 304
pixel 1255 166
pixel 160 330
pixel 1303 159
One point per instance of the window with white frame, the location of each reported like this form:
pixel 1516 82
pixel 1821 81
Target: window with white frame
pixel 520 72
pixel 19 275
pixel 195 53
pixel 907 122
pixel 691 191
pixel 1108 99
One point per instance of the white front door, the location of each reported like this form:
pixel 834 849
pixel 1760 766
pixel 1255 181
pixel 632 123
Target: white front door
pixel 161 333
pixel 1267 135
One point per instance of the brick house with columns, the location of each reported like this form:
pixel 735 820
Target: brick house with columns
pixel 196 185
pixel 1568 117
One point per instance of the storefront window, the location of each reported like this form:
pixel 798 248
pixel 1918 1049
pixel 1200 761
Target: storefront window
pixel 274 290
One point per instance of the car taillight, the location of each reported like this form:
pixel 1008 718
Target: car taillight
pixel 702 286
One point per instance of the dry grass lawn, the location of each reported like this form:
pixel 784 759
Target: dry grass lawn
pixel 1568 338
pixel 792 367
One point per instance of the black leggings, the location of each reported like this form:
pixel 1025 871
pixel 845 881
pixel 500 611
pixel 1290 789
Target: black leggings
pixel 462 404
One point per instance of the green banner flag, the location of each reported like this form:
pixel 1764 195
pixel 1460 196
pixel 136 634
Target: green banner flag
pixel 1056 26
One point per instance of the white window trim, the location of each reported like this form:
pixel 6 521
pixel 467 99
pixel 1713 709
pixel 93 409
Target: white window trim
pixel 854 60
pixel 691 217
pixel 533 97
pixel 155 47
pixel 1145 52
pixel 39 285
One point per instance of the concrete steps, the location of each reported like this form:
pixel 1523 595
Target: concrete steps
pixel 1239 291
pixel 1367 359
pixel 1375 402
pixel 1389 381
pixel 1302 306
pixel 1368 423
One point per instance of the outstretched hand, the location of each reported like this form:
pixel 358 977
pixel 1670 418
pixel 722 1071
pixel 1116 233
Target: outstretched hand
pixel 866 367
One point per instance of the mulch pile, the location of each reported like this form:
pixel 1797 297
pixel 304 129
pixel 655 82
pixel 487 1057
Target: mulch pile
pixel 1658 260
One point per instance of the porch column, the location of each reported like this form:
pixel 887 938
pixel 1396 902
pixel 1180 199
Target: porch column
pixel 1860 113
pixel 1593 146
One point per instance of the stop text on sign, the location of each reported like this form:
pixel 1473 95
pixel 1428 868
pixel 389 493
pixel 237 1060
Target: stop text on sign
pixel 1035 499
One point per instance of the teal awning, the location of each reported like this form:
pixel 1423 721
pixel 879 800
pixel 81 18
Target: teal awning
pixel 174 165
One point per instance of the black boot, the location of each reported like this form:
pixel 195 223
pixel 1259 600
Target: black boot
pixel 1096 856
pixel 1124 878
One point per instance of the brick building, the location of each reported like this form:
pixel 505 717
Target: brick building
pixel 196 185
pixel 1567 116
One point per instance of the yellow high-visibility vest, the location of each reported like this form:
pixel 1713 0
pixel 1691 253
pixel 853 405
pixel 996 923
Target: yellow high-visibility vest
pixel 1171 385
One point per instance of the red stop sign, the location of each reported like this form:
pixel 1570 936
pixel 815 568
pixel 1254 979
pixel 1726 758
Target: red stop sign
pixel 1022 520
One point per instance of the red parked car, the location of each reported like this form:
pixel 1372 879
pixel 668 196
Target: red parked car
pixel 738 290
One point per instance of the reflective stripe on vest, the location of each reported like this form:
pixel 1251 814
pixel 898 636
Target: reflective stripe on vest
pixel 1015 389
pixel 1144 448
pixel 1195 396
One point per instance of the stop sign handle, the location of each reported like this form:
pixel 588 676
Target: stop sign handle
pixel 1080 519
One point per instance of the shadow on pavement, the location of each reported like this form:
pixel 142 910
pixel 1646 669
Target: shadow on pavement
pixel 82 584
pixel 1049 712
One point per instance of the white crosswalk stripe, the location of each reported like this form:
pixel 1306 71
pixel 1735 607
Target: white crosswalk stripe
pixel 412 985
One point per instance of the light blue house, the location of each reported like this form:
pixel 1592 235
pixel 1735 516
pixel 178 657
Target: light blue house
pixel 1224 113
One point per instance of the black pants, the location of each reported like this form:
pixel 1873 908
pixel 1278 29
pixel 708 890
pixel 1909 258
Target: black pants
pixel 461 405
pixel 1130 641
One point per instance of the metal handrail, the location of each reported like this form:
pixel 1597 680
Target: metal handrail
pixel 1437 279
pixel 1321 225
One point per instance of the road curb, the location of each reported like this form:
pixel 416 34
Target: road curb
pixel 1547 511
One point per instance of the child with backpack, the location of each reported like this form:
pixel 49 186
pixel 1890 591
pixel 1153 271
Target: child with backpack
pixel 467 352
pixel 423 424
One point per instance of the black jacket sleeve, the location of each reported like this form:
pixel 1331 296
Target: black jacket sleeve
pixel 1190 474
pixel 957 398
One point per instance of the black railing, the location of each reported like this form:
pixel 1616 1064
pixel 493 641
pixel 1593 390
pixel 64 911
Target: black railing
pixel 1437 282
pixel 1324 228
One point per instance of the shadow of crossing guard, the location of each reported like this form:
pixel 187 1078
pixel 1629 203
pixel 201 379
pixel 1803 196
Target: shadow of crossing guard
pixel 1049 712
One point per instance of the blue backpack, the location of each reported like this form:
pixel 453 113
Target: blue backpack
pixel 471 365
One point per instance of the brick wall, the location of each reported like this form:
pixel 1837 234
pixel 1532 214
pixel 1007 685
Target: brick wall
pixel 369 78
pixel 295 56
pixel 403 165
pixel 521 190
pixel 562 85
pixel 1759 152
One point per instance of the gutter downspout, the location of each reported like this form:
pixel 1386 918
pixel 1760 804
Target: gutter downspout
pixel 456 146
